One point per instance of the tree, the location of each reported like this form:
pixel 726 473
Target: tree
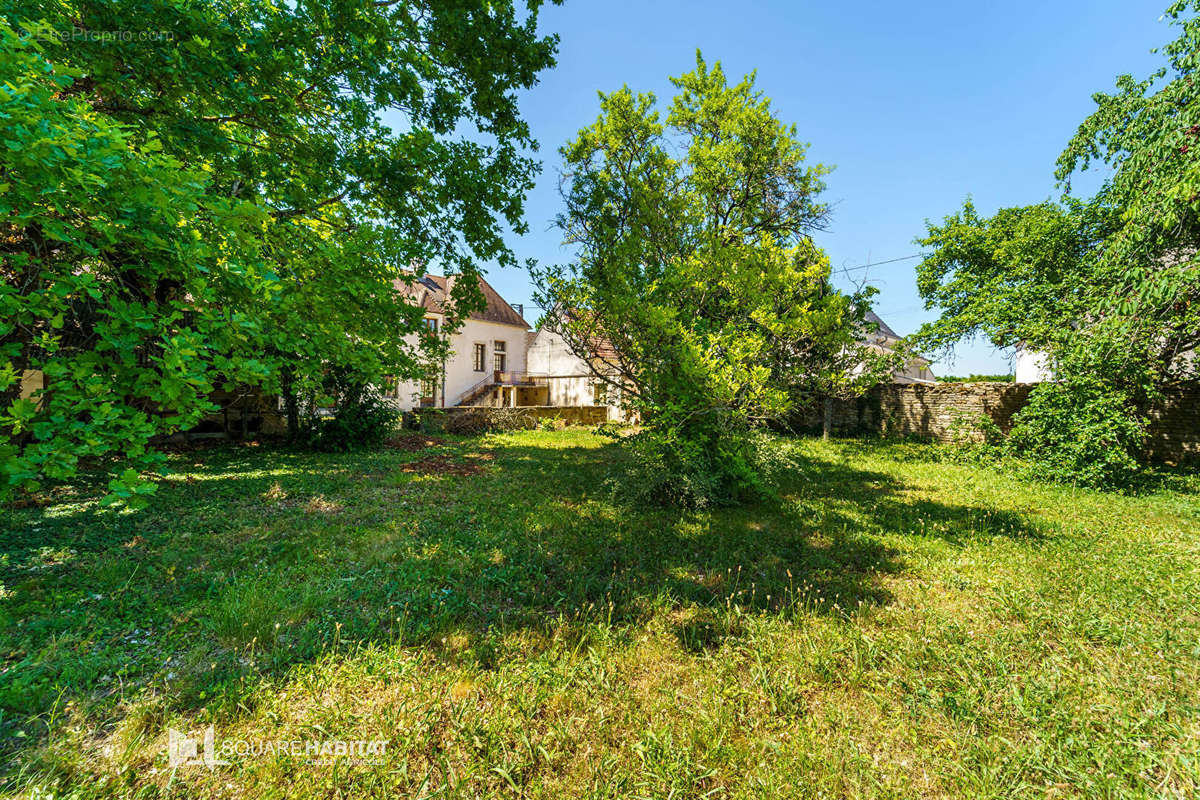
pixel 205 194
pixel 695 275
pixel 1022 275
pixel 1109 288
pixel 1145 309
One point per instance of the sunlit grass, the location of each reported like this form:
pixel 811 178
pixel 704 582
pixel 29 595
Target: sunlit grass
pixel 890 626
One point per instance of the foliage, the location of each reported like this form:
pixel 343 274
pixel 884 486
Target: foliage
pixel 966 429
pixel 516 624
pixel 1108 290
pixel 361 416
pixel 231 194
pixel 1147 136
pixel 481 419
pixel 1019 276
pixel 696 287
pixel 667 467
pixel 611 429
pixel 1081 432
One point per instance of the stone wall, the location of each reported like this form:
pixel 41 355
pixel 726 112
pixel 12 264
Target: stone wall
pixel 1174 434
pixel 941 411
pixel 948 411
pixel 242 414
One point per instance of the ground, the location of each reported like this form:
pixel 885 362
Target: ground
pixel 891 625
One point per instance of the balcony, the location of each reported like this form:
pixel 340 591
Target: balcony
pixel 510 378
pixel 501 378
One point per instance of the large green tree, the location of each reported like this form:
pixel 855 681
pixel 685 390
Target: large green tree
pixel 197 194
pixel 1146 304
pixel 1108 289
pixel 695 277
pixel 1020 276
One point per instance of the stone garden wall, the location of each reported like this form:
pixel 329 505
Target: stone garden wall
pixel 1175 427
pixel 946 411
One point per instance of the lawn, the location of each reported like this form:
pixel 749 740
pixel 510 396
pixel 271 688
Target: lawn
pixel 890 626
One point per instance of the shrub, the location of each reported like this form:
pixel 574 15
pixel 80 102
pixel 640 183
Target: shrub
pixel 1082 432
pixel 434 420
pixel 361 416
pixel 973 439
pixel 482 419
pixel 610 429
pixel 723 468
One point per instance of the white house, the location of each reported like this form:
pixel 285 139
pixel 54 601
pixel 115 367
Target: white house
pixel 570 380
pixel 486 365
pixel 495 360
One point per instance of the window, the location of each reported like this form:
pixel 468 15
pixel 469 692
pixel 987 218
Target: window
pixel 499 355
pixel 600 393
pixel 428 387
pixel 480 357
pixel 431 324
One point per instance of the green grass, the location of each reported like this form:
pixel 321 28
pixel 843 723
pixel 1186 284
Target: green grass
pixel 891 626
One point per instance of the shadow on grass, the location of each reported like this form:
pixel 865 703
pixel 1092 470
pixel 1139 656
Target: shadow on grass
pixel 257 561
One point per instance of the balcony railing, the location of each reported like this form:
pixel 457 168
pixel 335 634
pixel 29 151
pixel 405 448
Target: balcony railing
pixel 501 377
pixel 510 378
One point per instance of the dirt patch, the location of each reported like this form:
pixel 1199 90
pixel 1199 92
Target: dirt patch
pixel 445 465
pixel 414 442
pixel 319 505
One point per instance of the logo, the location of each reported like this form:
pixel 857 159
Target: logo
pixel 184 751
pixel 189 751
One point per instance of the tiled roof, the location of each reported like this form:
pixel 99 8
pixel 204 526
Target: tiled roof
pixel 598 345
pixel 433 293
pixel 884 330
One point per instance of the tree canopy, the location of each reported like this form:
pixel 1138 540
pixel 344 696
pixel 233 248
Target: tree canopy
pixel 695 269
pixel 1147 133
pixel 205 194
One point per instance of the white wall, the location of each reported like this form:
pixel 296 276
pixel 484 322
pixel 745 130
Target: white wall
pixel 572 390
pixel 549 355
pixel 571 380
pixel 460 371
pixel 1031 367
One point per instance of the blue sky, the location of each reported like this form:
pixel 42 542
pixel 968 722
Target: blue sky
pixel 917 105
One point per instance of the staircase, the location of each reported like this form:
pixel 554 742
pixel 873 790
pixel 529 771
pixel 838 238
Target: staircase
pixel 484 387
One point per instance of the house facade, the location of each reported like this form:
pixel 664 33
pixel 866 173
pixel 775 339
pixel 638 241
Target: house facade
pixel 486 364
pixel 571 380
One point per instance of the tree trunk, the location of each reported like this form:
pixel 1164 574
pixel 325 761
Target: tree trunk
pixel 291 407
pixel 827 422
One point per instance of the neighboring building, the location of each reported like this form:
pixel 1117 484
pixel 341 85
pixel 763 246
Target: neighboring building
pixel 884 340
pixel 486 365
pixel 570 380
pixel 1031 366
